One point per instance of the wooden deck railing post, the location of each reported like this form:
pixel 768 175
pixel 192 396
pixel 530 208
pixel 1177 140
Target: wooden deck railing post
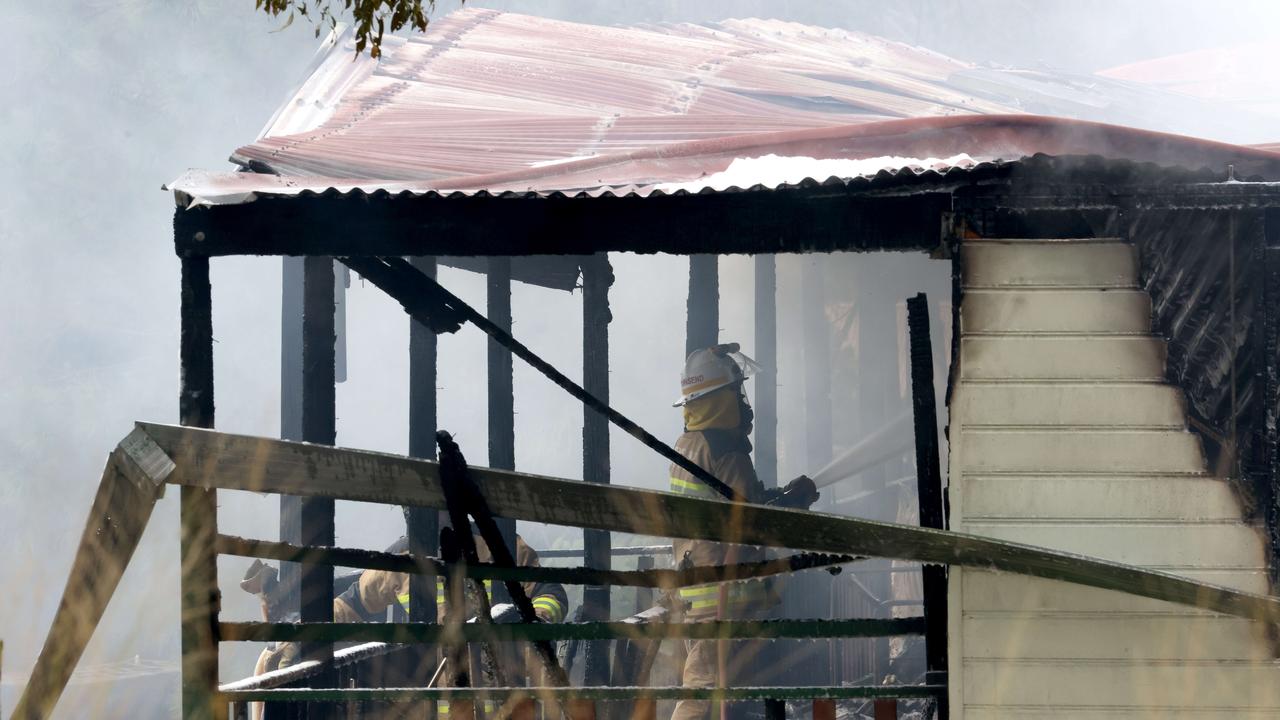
pixel 501 392
pixel 290 414
pixel 199 506
pixel 423 524
pixel 885 709
pixel 597 277
pixel 318 426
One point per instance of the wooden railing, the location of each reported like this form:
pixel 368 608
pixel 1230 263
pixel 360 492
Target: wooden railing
pixel 155 456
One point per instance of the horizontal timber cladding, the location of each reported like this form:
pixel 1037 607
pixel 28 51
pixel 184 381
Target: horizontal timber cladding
pixel 210 459
pixel 803 219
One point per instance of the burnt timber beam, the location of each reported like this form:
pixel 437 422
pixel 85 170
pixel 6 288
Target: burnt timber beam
pixel 316 514
pixel 1197 196
pixel 928 487
pixel 201 600
pixel 210 459
pixel 290 412
pixel 606 694
pixel 132 482
pixel 765 402
pixel 597 278
pixel 646 578
pixel 801 219
pixel 422 525
pixel 547 632
pixel 501 392
pixel 702 306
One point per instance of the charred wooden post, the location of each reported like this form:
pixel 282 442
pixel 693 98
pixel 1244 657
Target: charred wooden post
pixel 884 709
pixel 502 424
pixel 290 414
pixel 597 277
pixel 422 524
pixel 702 323
pixel 199 507
pixel 765 401
pixel 318 426
pixel 929 487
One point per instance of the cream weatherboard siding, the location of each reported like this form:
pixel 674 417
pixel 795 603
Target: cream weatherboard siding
pixel 1065 435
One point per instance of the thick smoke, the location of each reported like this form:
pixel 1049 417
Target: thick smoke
pixel 107 99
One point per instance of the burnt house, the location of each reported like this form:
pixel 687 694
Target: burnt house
pixel 1105 344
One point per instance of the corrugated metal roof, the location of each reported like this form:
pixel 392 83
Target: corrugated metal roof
pixel 1222 73
pixel 484 92
pixel 200 187
pixel 502 102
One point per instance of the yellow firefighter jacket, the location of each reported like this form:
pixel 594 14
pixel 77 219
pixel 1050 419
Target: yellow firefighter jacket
pixel 378 589
pixel 714 441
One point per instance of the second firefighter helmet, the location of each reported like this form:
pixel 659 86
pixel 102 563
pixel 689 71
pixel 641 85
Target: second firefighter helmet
pixel 710 369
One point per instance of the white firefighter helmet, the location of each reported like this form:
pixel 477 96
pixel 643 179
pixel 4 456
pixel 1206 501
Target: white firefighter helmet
pixel 712 368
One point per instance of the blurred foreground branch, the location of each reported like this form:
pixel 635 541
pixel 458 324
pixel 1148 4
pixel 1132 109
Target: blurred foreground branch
pixel 371 18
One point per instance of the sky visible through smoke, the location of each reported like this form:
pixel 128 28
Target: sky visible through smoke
pixel 104 100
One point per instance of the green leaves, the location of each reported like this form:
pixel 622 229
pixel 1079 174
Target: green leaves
pixel 370 18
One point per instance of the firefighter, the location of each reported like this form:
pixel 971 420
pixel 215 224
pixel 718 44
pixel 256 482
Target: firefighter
pixel 717 429
pixel 367 599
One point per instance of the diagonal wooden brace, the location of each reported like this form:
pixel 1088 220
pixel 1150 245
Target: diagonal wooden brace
pixel 132 482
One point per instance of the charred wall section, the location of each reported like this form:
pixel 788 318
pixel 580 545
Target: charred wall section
pixel 1214 283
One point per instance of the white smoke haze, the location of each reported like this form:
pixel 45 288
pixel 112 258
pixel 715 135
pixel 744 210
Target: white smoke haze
pixel 103 101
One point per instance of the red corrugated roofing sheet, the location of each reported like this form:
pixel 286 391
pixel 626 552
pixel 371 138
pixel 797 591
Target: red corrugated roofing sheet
pixel 484 92
pixel 498 101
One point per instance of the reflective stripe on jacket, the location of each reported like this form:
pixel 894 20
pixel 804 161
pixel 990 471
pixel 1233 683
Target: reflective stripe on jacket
pixel 550 606
pixel 380 588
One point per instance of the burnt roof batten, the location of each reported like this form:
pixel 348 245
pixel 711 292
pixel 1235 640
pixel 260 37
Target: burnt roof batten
pixel 793 220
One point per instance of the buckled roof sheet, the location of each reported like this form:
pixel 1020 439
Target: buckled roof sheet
pixel 495 101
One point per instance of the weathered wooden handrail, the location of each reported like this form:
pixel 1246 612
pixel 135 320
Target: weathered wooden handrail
pixel 533 632
pixel 153 455
pixel 849 692
pixel 308 668
pixel 205 458
pixel 655 578
pixel 623 551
